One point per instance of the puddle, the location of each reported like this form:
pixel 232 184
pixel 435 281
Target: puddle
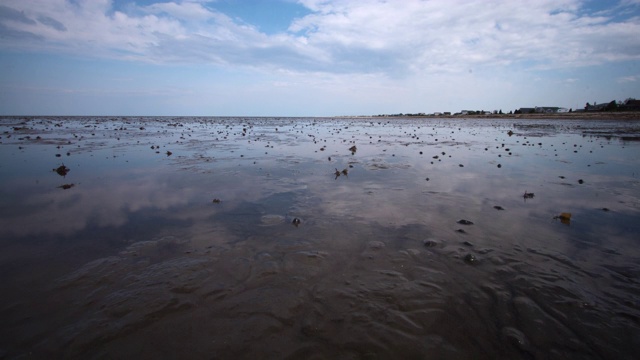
pixel 244 243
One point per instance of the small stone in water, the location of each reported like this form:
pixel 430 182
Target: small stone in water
pixel 430 243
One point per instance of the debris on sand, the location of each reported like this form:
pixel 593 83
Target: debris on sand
pixel 62 170
pixel 564 218
pixel 66 186
pixel 353 149
pixel 337 173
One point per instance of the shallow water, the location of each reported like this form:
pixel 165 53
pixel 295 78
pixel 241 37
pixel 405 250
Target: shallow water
pixel 136 259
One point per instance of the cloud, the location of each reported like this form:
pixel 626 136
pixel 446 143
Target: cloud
pixel 628 79
pixel 394 38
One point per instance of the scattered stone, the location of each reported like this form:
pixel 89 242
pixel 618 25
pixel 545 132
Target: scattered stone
pixel 580 181
pixel 465 222
pixel 216 201
pixel 467 243
pixel 296 222
pixel 62 170
pixel 431 243
pixel 169 153
pixel 461 231
pixel 470 259
pixel 353 149
pixel 528 195
pixel 605 209
pixel 497 207
pixel 66 186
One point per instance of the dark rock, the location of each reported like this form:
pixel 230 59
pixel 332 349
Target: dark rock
pixel 470 259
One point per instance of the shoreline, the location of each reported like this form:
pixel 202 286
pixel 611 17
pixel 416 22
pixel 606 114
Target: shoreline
pixel 627 115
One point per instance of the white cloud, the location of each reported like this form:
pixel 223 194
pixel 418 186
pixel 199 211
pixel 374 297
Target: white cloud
pixel 396 38
pixel 628 79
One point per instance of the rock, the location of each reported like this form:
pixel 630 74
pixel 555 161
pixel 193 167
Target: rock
pixel 470 259
pixel 62 170
pixel 431 243
pixel 465 222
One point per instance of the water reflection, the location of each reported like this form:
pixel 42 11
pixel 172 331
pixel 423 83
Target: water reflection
pixel 378 267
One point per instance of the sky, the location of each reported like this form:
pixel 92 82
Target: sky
pixel 313 57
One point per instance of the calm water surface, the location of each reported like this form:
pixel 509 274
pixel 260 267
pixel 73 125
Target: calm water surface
pixel 137 260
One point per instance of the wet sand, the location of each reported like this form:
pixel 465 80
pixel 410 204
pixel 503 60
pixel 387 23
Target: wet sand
pixel 235 238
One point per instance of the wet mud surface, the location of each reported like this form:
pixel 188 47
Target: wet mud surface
pixel 319 238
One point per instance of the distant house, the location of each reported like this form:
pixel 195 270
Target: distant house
pixel 596 107
pixel 546 109
pixel 630 105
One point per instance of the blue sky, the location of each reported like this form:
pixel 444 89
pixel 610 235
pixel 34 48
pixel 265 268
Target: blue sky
pixel 313 57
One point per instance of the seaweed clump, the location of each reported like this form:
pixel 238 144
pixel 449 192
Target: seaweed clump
pixel 62 170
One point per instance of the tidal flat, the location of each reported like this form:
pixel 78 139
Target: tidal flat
pixel 319 238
